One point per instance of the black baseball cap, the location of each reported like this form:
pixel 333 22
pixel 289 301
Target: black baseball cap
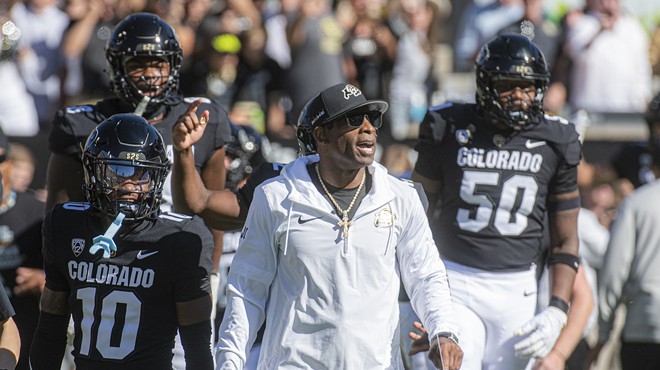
pixel 336 101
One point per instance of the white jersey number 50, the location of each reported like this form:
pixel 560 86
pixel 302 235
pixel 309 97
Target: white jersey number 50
pixel 503 220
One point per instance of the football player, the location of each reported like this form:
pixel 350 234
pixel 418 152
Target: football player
pixel 244 153
pixel 492 172
pixel 144 61
pixel 118 265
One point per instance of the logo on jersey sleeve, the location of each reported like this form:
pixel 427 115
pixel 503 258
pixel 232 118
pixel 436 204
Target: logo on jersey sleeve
pixel 141 255
pixel 529 144
pixel 77 246
pixel 385 218
pixel 463 137
pixel 80 109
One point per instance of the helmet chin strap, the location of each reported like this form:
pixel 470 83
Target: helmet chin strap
pixel 142 106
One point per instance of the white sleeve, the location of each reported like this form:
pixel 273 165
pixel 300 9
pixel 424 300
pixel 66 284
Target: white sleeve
pixel 250 276
pixel 616 267
pixel 423 272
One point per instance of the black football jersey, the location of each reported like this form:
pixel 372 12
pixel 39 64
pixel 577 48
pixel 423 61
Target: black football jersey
pixel 123 307
pixel 72 125
pixel 495 184
pixel 265 171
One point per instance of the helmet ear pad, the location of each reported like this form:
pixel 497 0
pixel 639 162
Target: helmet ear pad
pixel 125 147
pixel 147 35
pixel 511 57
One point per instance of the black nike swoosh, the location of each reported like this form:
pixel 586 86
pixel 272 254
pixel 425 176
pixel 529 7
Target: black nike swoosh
pixel 301 221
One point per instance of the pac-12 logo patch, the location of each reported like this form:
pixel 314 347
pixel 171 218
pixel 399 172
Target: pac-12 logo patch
pixel 77 246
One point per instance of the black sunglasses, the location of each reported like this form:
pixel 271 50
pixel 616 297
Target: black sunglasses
pixel 374 117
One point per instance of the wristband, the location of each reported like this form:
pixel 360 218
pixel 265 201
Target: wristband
pixel 564 205
pixel 559 303
pixel 446 334
pixel 564 258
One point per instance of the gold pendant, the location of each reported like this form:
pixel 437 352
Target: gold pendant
pixel 345 224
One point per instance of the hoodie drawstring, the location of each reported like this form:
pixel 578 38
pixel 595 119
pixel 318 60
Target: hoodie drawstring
pixel 288 228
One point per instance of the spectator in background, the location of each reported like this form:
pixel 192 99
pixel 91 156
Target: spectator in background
pixel 370 47
pixel 23 166
pixel 412 78
pixel 535 25
pixel 18 114
pixel 478 24
pixel 10 341
pixel 42 25
pixel 608 41
pixel 655 50
pixel 398 159
pixel 228 57
pixel 83 45
pixel 21 261
pixel 316 40
pixel 631 270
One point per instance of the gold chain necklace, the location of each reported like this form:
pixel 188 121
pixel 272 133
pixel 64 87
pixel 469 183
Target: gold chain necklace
pixel 344 223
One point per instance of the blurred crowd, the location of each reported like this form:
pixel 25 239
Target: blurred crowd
pixel 263 59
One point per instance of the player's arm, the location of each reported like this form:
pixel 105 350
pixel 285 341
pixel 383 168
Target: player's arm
pixel 195 331
pixel 563 259
pixel 10 344
pixel 582 303
pixel 49 342
pixel 431 189
pixel 542 331
pixel 64 178
pixel 189 189
pixel 10 340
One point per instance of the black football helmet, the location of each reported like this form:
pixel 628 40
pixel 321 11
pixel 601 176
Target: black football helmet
pixel 125 149
pixel 511 57
pixel 306 120
pixel 142 34
pixel 246 150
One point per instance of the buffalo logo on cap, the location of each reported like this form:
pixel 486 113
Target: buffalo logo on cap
pixel 351 90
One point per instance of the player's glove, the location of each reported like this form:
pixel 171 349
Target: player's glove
pixel 542 332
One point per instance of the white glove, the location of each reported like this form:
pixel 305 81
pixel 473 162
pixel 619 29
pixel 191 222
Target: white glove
pixel 543 331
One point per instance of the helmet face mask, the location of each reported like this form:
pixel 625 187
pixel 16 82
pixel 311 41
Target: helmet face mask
pixel 125 166
pixel 246 150
pixel 148 36
pixel 511 60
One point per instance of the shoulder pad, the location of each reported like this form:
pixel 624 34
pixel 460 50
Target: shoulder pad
pixel 177 217
pixel 441 106
pixel 561 134
pixel 79 109
pixel 194 99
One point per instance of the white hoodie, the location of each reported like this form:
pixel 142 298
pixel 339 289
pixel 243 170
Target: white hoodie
pixel 331 303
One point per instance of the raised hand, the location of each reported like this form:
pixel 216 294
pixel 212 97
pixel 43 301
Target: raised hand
pixel 189 128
